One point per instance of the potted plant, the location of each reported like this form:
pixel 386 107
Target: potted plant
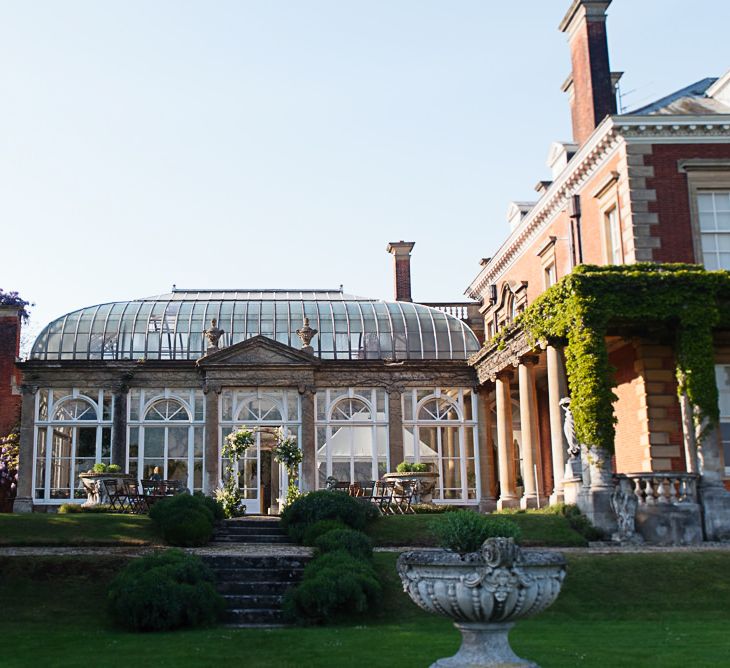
pixel 426 479
pixel 484 582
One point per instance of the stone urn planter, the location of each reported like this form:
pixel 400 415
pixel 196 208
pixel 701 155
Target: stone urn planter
pixel 426 483
pixel 96 489
pixel 484 593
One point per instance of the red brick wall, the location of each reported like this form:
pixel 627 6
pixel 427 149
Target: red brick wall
pixel 9 376
pixel 672 197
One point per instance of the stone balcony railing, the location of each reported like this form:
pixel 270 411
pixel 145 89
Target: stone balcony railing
pixel 660 488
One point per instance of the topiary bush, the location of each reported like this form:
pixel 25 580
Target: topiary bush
pixel 315 530
pixel 164 591
pixel 333 586
pixel 355 543
pixel 184 520
pixel 465 531
pixel 324 505
pixel 216 507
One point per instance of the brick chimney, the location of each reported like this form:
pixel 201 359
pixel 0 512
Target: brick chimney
pixel 401 252
pixel 9 375
pixel 590 86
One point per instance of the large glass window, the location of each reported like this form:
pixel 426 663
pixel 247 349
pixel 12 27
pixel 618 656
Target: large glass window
pixel 440 429
pixel 713 208
pixel 352 434
pixel 612 237
pixel 167 431
pixel 722 375
pixel 73 432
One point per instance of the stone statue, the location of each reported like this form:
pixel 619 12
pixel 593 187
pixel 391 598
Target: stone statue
pixel 306 334
pixel 569 429
pixel 213 335
pixel 624 504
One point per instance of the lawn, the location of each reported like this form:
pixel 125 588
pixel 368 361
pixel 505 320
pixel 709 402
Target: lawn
pixel 50 529
pixel 615 610
pixel 415 530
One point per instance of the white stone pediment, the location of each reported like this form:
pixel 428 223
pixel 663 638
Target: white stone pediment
pixel 257 351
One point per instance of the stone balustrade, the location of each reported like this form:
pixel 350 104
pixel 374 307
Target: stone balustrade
pixel 660 488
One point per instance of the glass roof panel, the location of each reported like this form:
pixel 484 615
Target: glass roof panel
pixel 172 326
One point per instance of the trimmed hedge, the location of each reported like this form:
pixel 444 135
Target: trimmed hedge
pixel 355 543
pixel 326 505
pixel 334 585
pixel 164 591
pixel 184 520
pixel 317 529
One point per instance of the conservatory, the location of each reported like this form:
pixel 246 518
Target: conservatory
pixel 362 384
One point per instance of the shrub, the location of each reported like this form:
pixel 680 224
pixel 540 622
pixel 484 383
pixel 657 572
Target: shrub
pixel 315 530
pixel 69 508
pixel 324 505
pixel 214 506
pixel 164 591
pixel 577 520
pixel 408 467
pixel 334 585
pixel 184 520
pixel 355 543
pixel 465 531
pixel 432 509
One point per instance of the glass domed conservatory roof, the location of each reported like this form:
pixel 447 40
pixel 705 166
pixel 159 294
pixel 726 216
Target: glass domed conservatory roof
pixel 171 326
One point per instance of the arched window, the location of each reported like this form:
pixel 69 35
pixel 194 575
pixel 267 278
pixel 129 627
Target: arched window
pixel 440 429
pixel 166 410
pixel 73 432
pixel 259 409
pixel 352 435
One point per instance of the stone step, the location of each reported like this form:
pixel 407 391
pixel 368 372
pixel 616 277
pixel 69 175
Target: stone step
pixel 254 617
pixel 250 538
pixel 253 529
pixel 234 560
pixel 283 575
pixel 254 587
pixel 253 601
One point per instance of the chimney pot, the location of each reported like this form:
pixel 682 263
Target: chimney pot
pixel 401 252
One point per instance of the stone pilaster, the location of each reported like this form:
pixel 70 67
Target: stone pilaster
pixel 395 427
pixel 119 430
pixel 487 502
pixel 309 441
pixel 211 459
pixel 554 374
pixel 528 427
pixel 507 496
pixel 24 499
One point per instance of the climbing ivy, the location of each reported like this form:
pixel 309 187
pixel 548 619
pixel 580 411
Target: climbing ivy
pixel 687 301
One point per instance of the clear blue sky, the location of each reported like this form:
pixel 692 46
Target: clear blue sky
pixel 284 143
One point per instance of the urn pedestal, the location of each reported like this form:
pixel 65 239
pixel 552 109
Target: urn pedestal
pixel 484 593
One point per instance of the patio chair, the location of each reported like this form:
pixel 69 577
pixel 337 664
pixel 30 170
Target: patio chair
pixel 403 495
pixel 382 496
pixel 117 495
pixel 136 502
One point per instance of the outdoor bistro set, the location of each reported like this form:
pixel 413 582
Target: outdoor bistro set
pixel 124 494
pixel 390 497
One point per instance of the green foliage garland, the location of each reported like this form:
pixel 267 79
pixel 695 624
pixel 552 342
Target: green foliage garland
pixel 579 309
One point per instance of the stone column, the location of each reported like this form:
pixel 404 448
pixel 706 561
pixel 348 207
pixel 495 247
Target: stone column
pixel 487 502
pixel 119 430
pixel 528 426
pixel 554 374
pixel 24 498
pixel 309 441
pixel 507 496
pixel 688 434
pixel 212 459
pixel 395 427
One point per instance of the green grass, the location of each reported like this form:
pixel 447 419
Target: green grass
pixel 76 529
pixel 615 610
pixel 415 530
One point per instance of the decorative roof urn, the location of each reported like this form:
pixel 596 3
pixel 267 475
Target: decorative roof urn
pixel 306 334
pixel 484 593
pixel 213 334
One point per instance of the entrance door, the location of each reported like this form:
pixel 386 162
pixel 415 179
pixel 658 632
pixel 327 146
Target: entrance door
pixel 259 474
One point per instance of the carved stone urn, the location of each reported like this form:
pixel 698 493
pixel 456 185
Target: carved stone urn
pixel 484 593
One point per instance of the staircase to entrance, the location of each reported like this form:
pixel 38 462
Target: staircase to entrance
pixel 254 567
